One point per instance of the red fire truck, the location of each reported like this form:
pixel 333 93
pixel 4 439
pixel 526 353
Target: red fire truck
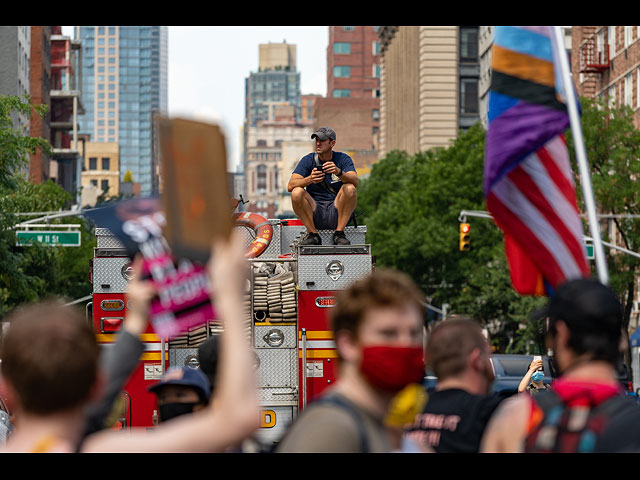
pixel 289 293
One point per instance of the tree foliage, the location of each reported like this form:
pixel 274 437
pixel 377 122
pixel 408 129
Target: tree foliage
pixel 411 206
pixel 612 145
pixel 31 273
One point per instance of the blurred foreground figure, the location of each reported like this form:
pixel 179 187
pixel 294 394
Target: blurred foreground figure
pixel 586 410
pixel 378 330
pixel 50 373
pixel 457 412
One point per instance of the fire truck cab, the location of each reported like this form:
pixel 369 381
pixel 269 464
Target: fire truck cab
pixel 288 296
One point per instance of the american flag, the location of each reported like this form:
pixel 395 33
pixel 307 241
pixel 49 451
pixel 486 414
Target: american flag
pixel 528 181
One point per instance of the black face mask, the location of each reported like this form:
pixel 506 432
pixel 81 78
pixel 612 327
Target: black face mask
pixel 172 410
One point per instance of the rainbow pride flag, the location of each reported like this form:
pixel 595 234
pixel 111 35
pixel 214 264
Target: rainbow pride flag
pixel 528 182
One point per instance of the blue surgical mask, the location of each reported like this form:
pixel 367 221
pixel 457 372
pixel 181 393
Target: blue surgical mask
pixel 537 376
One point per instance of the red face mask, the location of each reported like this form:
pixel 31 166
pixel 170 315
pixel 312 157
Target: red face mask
pixel 392 368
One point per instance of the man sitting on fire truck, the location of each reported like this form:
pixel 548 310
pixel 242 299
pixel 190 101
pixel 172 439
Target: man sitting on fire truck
pixel 323 189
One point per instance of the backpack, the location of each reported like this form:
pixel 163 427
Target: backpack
pixel 577 429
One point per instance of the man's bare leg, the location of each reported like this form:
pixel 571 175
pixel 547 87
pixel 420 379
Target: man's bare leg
pixel 304 206
pixel 345 203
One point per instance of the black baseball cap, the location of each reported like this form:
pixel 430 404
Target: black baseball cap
pixel 323 133
pixel 588 306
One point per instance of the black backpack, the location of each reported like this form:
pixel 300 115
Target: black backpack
pixel 611 426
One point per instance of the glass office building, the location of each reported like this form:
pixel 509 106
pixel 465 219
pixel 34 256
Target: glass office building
pixel 124 79
pixel 269 87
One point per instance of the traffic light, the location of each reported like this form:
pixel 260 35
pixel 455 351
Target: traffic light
pixel 465 240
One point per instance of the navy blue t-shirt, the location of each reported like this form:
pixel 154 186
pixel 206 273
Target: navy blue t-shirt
pixel 307 164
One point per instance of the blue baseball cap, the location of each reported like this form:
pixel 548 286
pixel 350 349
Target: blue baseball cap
pixel 185 376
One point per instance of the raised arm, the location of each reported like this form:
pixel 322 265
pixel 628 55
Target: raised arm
pixel 233 412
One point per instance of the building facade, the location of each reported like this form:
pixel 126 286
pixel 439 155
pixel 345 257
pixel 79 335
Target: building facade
pixel 277 82
pixel 308 104
pixel 429 85
pixel 605 64
pixel 101 169
pixel 273 116
pixel 124 74
pixel 40 91
pixel 353 62
pixel 15 74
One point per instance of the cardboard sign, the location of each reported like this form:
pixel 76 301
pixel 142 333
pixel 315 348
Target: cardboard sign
pixel 183 290
pixel 196 197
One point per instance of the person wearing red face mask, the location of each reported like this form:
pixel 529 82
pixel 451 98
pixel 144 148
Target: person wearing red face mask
pixel 457 412
pixel 378 329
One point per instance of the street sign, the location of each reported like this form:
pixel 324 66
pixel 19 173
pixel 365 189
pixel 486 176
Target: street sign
pixel 590 254
pixel 49 238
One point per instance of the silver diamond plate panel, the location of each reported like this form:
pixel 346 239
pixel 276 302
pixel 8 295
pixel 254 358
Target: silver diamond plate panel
pixel 272 395
pixel 277 367
pixel 293 233
pixel 183 357
pixel 356 235
pixel 108 271
pixel 289 332
pixel 106 239
pixel 312 271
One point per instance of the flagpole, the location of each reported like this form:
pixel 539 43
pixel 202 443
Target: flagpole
pixel 581 156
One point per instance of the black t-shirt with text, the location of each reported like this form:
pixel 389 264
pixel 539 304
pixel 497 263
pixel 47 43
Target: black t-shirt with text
pixel 453 421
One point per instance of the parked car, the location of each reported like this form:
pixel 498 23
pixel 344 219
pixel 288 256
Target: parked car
pixel 509 371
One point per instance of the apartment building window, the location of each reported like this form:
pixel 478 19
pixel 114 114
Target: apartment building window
pixel 104 185
pixel 105 163
pixel 376 114
pixel 611 32
pixel 376 71
pixel 628 90
pixel 376 48
pixel 93 163
pixel 468 95
pixel 612 96
pixel 342 48
pixel 262 179
pixel 348 29
pixel 341 93
pixel 628 32
pixel 94 183
pixel 469 44
pixel 342 71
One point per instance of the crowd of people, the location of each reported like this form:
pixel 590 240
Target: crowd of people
pixel 62 392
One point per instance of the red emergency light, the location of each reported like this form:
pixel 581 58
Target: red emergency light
pixel 111 324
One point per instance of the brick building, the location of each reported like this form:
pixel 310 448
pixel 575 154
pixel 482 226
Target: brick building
pixel 353 62
pixel 39 86
pixel 355 121
pixel 605 62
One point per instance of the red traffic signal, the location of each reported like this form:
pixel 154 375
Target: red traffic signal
pixel 465 238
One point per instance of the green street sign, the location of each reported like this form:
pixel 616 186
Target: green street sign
pixel 48 238
pixel 590 254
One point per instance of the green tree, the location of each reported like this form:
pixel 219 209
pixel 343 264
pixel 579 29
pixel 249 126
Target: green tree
pixel 31 273
pixel 612 144
pixel 411 207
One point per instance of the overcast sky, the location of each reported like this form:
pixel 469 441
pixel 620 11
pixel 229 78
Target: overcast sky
pixel 208 67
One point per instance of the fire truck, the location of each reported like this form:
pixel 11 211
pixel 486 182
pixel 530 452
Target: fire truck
pixel 288 296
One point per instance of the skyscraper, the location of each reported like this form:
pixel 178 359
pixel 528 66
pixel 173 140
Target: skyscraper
pixel 124 78
pixel 273 117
